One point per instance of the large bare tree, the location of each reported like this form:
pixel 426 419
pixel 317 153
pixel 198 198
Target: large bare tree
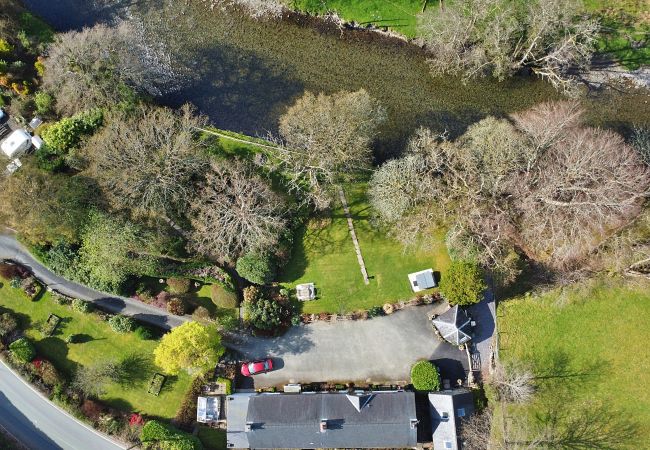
pixel 587 184
pixel 499 37
pixel 328 136
pixel 236 212
pixel 103 66
pixel 148 161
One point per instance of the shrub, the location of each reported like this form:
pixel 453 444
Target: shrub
pixel 161 300
pixel 61 299
pixel 43 102
pixel 266 314
pixel 30 286
pixel 9 271
pixel 228 322
pixel 222 297
pixel 5 47
pixel 186 413
pixel 463 283
pixel 92 409
pixel 252 294
pixel 8 324
pixel 108 424
pixel 81 306
pixel 425 376
pixel 15 282
pixel 157 435
pixel 23 350
pixel 179 285
pixel 256 268
pixel 121 324
pixel 49 374
pixel 143 333
pixel 227 382
pixel 201 313
pixel 375 311
pixel 176 306
pixel 68 132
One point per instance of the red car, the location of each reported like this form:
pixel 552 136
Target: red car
pixel 255 367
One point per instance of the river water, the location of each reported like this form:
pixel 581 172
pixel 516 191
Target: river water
pixel 244 73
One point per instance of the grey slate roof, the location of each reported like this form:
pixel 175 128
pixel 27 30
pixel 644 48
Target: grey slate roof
pixel 454 325
pixel 453 404
pixel 384 419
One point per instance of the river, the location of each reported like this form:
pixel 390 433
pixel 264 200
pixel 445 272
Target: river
pixel 243 73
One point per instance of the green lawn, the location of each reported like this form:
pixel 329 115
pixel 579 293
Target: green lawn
pixel 102 343
pixel 212 439
pixel 588 346
pixel 623 21
pixel 398 15
pixel 326 257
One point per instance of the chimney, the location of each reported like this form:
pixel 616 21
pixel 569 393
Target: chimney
pixel 249 426
pixel 323 425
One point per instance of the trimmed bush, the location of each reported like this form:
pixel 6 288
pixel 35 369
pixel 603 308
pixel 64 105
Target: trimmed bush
pixel 201 313
pixel 9 271
pixel 179 285
pixel 49 374
pixel 375 311
pixel 157 435
pixel 23 350
pixel 425 376
pixel 176 306
pixel 256 268
pixel 121 324
pixel 144 333
pixel 222 297
pixel 82 306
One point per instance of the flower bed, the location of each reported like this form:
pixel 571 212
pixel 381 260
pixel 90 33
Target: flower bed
pixel 156 384
pixel 50 325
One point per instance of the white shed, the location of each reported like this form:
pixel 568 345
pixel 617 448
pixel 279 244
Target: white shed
pixel 422 280
pixel 17 143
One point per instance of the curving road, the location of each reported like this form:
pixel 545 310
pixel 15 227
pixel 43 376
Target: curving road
pixel 11 249
pixel 40 425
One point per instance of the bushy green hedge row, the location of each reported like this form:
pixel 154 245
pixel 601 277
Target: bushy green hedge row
pixel 160 436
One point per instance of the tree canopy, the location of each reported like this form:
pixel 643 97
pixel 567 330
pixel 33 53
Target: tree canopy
pixel 463 283
pixel 191 346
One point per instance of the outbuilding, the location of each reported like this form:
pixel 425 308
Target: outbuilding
pixel 454 326
pixel 16 144
pixel 422 280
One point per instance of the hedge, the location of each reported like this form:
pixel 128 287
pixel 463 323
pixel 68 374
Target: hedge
pixel 158 435
pixel 121 324
pixel 222 297
pixel 256 268
pixel 425 376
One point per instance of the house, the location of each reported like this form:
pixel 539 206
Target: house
pixel 305 292
pixel 16 144
pixel 447 409
pixel 422 280
pixel 454 326
pixel 322 420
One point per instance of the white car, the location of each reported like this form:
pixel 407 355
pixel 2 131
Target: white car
pixel 2 114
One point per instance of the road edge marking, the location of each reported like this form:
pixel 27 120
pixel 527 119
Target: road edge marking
pixel 89 428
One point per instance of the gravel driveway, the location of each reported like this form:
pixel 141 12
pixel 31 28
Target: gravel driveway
pixel 377 350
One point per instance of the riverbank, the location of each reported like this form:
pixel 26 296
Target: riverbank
pixel 244 73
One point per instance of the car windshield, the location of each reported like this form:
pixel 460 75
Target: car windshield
pixel 251 367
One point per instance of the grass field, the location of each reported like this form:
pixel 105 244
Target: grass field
pixel 101 344
pixel 325 256
pixel 212 439
pixel 588 347
pixel 398 15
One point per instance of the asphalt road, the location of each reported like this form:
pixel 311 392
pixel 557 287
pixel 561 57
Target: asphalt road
pixel 12 250
pixel 378 350
pixel 40 425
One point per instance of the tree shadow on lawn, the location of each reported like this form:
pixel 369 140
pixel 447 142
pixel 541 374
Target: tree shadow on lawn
pixel 134 370
pixel 56 350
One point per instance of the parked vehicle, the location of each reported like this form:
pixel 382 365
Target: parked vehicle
pixel 256 367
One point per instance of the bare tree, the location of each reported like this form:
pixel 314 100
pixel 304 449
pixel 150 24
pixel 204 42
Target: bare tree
pixel 102 66
pixel 513 383
pixel 641 142
pixel 399 186
pixel 545 123
pixel 499 37
pixel 587 184
pixel 326 137
pixel 237 213
pixel 148 161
